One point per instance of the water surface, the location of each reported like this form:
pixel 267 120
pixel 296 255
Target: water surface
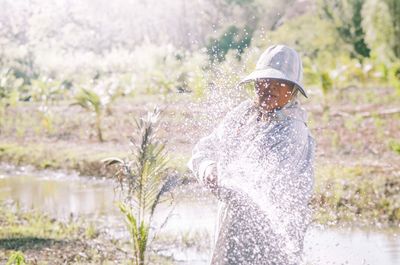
pixel 62 196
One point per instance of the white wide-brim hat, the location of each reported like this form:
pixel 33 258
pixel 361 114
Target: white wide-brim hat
pixel 279 62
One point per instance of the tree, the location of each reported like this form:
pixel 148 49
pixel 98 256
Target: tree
pixel 381 22
pixel 347 18
pixel 394 10
pixel 241 20
pixel 232 39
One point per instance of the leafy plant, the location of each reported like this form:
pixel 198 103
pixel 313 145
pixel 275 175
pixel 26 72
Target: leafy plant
pixel 326 83
pixel 394 76
pixel 9 84
pixel 395 146
pixel 46 90
pixel 16 258
pixel 143 180
pixel 91 101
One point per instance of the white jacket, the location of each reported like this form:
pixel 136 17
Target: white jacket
pixel 265 179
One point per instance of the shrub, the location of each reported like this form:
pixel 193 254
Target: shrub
pixel 143 180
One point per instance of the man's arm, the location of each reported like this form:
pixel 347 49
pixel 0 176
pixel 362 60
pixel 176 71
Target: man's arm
pixel 205 154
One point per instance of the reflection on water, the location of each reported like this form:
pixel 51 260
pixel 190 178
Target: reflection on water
pixel 352 247
pixel 60 195
pixel 57 194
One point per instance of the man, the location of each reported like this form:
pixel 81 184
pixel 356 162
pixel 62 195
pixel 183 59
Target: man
pixel 258 162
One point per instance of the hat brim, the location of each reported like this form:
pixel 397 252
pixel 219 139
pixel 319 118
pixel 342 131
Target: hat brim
pixel 272 74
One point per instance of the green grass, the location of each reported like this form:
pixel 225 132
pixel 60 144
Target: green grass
pixel 84 160
pixel 44 240
pixel 19 224
pixel 32 231
pixel 42 156
pixel 356 195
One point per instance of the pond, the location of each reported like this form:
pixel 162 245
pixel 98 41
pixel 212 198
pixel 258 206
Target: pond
pixel 64 196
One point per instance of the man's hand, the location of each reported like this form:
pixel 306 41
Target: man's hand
pixel 210 177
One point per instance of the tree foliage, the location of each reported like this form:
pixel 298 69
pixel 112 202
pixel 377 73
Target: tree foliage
pixel 381 21
pixel 346 15
pixel 232 39
pixel 394 11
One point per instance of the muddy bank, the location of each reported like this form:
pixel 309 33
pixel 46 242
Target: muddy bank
pixel 85 160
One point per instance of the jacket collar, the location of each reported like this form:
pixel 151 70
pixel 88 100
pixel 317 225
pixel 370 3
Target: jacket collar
pixel 291 110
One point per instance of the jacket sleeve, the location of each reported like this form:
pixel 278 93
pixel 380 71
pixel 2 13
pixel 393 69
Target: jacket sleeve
pixel 289 158
pixel 206 151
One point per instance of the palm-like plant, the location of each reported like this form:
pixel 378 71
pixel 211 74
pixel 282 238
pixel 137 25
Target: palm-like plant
pixel 143 179
pixel 16 258
pixel 90 101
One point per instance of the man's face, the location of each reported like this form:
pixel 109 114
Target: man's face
pixel 273 94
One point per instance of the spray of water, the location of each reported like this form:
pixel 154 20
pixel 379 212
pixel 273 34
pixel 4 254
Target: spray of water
pixel 264 179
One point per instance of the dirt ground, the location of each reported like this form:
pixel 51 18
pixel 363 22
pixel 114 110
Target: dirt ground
pixel 355 128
